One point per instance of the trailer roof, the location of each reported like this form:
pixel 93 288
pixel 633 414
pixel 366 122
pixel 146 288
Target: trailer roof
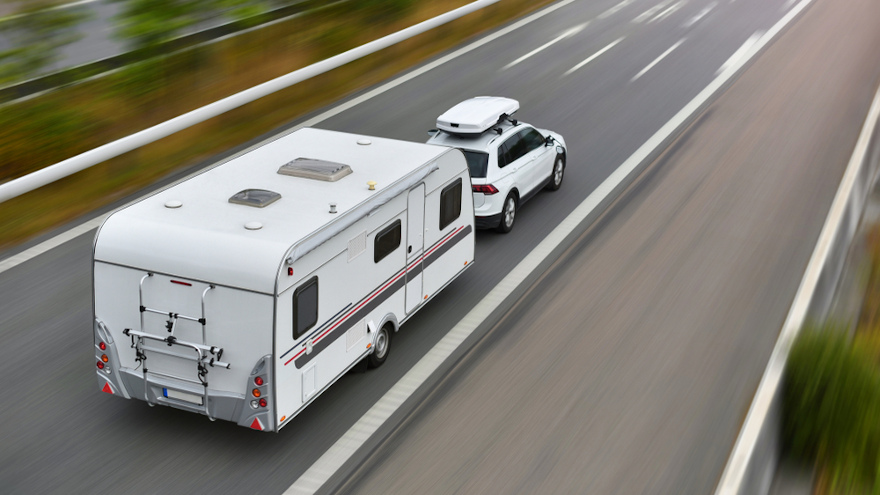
pixel 193 230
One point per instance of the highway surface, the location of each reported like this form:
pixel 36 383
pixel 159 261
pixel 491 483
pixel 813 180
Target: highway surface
pixel 627 369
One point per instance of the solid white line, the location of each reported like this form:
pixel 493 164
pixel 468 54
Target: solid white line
pixel 568 34
pixel 52 243
pixel 742 51
pixel 615 9
pixel 332 112
pixel 317 474
pixel 657 60
pixel 693 20
pixel 593 56
pixel 666 13
pixel 734 472
pixel 650 12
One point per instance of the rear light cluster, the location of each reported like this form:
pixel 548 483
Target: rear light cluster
pixel 103 359
pixel 259 393
pixel 487 189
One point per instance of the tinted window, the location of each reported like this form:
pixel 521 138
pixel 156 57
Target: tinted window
pixel 532 139
pixel 477 162
pixel 305 307
pixel 450 203
pixel 505 155
pixel 387 240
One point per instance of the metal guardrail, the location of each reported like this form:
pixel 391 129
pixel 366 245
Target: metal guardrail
pixel 753 462
pixel 100 154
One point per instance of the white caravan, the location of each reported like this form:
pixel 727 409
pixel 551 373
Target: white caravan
pixel 244 292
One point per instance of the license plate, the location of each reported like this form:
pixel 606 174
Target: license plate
pixel 176 394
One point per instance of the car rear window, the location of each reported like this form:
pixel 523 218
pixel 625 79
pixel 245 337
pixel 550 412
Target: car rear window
pixel 478 163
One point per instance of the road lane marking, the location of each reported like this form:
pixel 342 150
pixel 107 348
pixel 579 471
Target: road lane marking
pixel 650 12
pixel 593 56
pixel 666 13
pixel 657 60
pixel 568 34
pixel 693 20
pixel 29 254
pixel 615 9
pixel 742 51
pixel 353 439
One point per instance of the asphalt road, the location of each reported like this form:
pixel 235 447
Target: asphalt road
pixel 60 434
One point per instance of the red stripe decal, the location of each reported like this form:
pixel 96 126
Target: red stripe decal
pixel 378 291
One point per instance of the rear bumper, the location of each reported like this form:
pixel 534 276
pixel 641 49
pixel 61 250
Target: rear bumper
pixel 489 222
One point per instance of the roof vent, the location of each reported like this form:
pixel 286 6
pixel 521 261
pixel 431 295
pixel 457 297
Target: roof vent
pixel 255 197
pixel 311 168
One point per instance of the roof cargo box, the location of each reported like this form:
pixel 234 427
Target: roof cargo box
pixel 476 115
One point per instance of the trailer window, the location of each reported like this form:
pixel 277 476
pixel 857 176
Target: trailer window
pixel 387 240
pixel 450 203
pixel 305 307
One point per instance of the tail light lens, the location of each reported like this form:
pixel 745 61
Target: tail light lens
pixel 487 189
pixel 100 365
pixel 256 392
pixel 104 358
pixel 263 403
pixel 102 346
pixel 258 380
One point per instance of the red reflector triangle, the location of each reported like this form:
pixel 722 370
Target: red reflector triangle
pixel 257 425
pixel 107 388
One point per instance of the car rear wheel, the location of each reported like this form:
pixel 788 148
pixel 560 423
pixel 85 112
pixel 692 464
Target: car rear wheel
pixel 557 174
pixel 508 214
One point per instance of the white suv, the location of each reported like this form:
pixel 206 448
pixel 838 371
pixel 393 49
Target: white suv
pixel 509 161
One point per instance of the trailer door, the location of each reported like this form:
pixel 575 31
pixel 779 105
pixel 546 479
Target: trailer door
pixel 415 235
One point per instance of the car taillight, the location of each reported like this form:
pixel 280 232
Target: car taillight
pixel 100 365
pixel 263 403
pixel 104 358
pixel 258 380
pixel 487 189
pixel 256 392
pixel 103 346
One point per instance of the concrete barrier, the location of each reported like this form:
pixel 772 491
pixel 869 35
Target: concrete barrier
pixel 755 455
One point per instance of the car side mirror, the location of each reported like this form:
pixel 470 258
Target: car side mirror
pixel 548 141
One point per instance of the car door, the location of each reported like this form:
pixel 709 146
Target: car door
pixel 508 168
pixel 537 159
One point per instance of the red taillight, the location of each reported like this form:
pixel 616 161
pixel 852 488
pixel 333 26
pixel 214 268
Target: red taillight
pixel 487 189
pixel 258 380
pixel 263 403
pixel 103 346
pixel 100 365
pixel 256 392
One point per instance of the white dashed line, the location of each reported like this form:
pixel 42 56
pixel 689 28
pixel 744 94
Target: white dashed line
pixel 615 9
pixel 693 20
pixel 666 13
pixel 571 32
pixel 650 12
pixel 657 60
pixel 592 57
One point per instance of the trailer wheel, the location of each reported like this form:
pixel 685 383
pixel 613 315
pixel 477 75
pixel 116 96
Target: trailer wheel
pixel 383 345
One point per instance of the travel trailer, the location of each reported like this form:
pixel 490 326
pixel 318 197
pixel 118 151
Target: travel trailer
pixel 244 292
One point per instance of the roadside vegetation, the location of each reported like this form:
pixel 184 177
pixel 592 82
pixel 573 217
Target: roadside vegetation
pixel 57 125
pixel 832 397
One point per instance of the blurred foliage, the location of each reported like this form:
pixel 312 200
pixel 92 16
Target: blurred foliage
pixel 831 409
pixel 36 33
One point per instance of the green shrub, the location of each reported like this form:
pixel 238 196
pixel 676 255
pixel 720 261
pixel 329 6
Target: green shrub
pixel 831 408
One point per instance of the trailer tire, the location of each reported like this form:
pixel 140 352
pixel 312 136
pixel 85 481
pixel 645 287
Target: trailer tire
pixel 381 348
